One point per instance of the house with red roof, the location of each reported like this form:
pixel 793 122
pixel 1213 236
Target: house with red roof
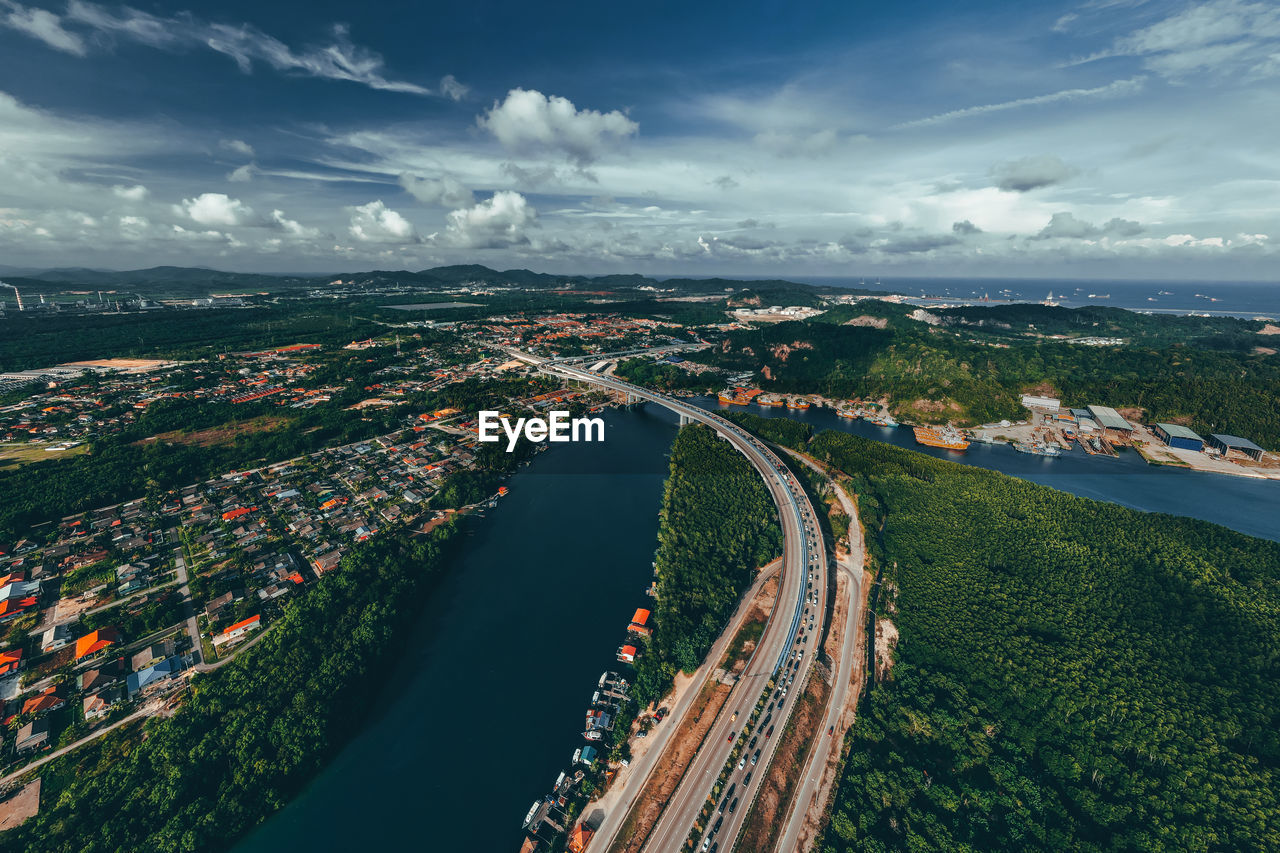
pixel 236 632
pixel 96 641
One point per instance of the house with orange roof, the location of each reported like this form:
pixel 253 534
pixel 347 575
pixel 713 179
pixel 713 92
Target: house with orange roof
pixel 96 641
pixel 49 699
pixel 627 654
pixel 10 661
pixel 236 632
pixel 580 837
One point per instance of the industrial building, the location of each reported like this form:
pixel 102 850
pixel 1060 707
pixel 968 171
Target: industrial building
pixel 1176 435
pixel 1226 443
pixel 1109 419
pixel 1034 401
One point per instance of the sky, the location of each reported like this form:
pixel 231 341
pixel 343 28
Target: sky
pixel 1108 138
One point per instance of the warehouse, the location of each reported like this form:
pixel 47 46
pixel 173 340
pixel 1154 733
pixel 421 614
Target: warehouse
pixel 1176 435
pixel 1109 418
pixel 1226 443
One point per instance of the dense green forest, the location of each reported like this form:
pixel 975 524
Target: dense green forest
pixel 668 377
pixel 937 374
pixel 1070 675
pixel 716 527
pixel 250 734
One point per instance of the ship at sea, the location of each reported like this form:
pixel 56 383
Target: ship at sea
pixel 946 437
pixel 1037 448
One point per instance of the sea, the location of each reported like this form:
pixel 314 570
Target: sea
pixel 1252 300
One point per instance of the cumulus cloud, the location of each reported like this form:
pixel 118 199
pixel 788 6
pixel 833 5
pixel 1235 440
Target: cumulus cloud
pixel 445 191
pixel 1031 173
pixel 495 222
pixel 964 227
pixel 215 209
pixel 339 59
pixel 376 223
pixel 292 227
pixel 40 24
pixel 137 192
pixel 239 146
pixel 243 174
pixel 1065 225
pixel 529 121
pixel 725 182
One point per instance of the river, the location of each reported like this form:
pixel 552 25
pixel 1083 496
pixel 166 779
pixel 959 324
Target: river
pixel 490 692
pixel 491 689
pixel 1246 504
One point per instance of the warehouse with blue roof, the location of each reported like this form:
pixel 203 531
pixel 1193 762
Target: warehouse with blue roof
pixel 1176 435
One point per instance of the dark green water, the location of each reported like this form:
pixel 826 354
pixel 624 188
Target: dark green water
pixel 489 695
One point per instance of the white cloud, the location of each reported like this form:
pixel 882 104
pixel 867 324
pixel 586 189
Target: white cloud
pixel 1115 89
pixel 239 146
pixel 242 174
pixel 376 223
pixel 1220 36
pixel 497 221
pixel 446 191
pixel 40 24
pixel 137 192
pixel 215 209
pixel 339 59
pixel 292 227
pixel 530 121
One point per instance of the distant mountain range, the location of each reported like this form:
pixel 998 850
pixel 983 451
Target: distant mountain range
pixel 196 281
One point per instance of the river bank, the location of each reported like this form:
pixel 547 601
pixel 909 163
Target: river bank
pixel 1244 504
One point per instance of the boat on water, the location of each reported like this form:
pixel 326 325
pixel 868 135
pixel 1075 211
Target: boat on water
pixel 1037 448
pixel 770 400
pixel 882 420
pixel 846 413
pixel 797 403
pixel 947 438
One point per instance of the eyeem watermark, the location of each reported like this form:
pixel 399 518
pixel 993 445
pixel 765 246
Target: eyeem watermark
pixel 558 427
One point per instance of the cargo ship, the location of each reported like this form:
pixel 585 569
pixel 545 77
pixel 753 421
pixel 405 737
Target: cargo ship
pixel 884 420
pixel 771 401
pixel 844 412
pixel 946 438
pixel 797 403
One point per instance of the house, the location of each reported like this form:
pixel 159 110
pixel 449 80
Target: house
pixel 96 641
pixel 95 679
pixel 51 698
pixel 236 632
pixel 580 838
pixel 627 654
pixel 215 606
pixel 10 662
pixel 55 638
pixel 152 678
pixel 34 734
pixel 152 654
pixel 99 705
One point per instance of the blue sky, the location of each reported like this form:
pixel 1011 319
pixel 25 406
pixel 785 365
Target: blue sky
pixel 1108 138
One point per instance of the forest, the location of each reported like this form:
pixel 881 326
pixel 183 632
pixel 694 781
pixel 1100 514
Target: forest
pixel 937 374
pixel 250 735
pixel 717 525
pixel 1069 675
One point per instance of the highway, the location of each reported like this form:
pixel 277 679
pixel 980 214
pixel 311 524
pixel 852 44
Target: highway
pixel 820 754
pixel 801 598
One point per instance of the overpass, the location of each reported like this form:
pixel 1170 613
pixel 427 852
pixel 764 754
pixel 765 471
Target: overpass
pixel 803 574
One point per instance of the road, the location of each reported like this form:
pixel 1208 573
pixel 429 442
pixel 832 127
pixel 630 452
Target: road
pixel 811 781
pixel 786 633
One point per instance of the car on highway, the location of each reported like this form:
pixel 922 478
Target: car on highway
pixel 769 733
pixel 734 717
pixel 746 780
pixel 706 842
pixel 733 805
pixel 716 828
pixel 755 757
pixel 767 719
pixel 752 745
pixel 730 737
pixel 742 762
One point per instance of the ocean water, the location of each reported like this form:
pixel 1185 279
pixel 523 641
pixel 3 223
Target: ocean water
pixel 1255 300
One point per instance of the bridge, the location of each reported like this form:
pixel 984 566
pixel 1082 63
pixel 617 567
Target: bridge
pixel 803 574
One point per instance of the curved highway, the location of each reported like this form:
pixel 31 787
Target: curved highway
pixel 784 652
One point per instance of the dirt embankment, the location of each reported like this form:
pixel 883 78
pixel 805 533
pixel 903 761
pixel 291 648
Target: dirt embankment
pixel 224 434
pixel 760 832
